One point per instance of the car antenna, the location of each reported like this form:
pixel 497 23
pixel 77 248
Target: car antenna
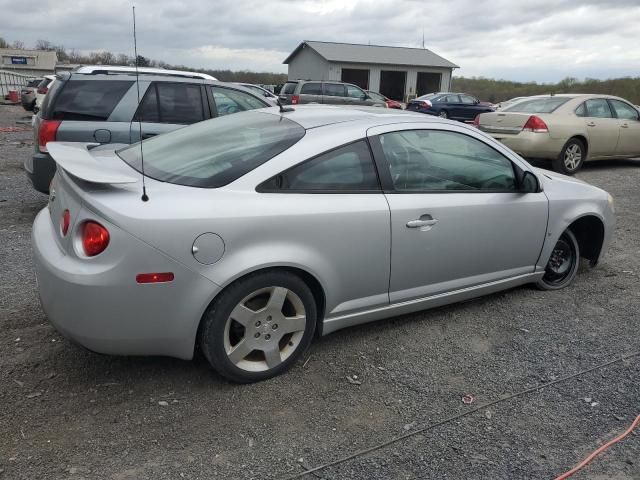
pixel 145 197
pixel 284 109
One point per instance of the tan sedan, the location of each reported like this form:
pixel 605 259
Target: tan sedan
pixel 569 129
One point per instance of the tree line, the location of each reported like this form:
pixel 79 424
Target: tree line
pixel 483 88
pixel 499 90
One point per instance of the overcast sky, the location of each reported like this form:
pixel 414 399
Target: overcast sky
pixel 541 40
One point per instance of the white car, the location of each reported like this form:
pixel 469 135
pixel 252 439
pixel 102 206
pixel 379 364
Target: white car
pixel 268 96
pixel 42 90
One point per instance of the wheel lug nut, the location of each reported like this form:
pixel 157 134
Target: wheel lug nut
pixel 274 326
pixel 257 335
pixel 267 336
pixel 258 323
pixel 269 318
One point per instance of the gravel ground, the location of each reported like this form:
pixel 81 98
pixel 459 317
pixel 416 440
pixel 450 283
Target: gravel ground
pixel 71 414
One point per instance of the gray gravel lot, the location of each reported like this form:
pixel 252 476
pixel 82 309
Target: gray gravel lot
pixel 70 414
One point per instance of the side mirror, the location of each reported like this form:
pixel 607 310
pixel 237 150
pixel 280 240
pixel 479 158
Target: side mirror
pixel 529 183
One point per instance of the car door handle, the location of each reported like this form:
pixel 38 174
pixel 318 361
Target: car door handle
pixel 423 221
pixel 591 124
pixel 148 135
pixel 624 125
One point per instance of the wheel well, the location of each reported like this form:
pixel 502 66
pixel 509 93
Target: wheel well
pixel 589 232
pixel 311 281
pixel 584 141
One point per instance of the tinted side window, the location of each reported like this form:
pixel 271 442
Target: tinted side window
pixel 148 109
pixel 343 169
pixel 334 89
pixel 431 160
pixel 180 103
pixel 452 99
pixel 311 89
pixel 355 92
pixel 598 108
pixel 624 110
pixel 289 88
pixel 88 100
pixel 581 111
pixel 233 101
pixel 467 99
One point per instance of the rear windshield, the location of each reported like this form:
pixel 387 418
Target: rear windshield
pixel 92 100
pixel 215 152
pixel 429 96
pixel 289 88
pixel 537 105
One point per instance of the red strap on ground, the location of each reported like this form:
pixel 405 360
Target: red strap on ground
pixel 14 129
pixel 599 450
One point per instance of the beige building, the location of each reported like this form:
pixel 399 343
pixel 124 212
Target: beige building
pixel 28 62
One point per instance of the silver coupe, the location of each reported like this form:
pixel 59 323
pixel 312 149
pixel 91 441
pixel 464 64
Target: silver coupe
pixel 265 228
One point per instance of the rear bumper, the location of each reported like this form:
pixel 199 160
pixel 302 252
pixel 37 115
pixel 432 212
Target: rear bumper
pixel 531 144
pixel 40 168
pixel 97 303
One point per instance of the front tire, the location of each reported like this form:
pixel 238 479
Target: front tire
pixel 259 326
pixel 571 157
pixel 443 114
pixel 563 263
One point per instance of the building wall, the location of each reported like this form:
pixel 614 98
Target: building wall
pixel 335 73
pixel 308 65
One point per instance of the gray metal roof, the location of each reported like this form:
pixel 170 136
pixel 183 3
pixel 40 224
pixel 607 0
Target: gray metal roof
pixel 354 53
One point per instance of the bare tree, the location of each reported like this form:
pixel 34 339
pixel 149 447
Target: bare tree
pixel 45 45
pixel 123 59
pixel 18 45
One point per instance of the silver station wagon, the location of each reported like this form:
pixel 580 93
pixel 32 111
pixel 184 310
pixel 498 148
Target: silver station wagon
pixel 264 228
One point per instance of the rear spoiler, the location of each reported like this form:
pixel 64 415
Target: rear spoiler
pixel 76 159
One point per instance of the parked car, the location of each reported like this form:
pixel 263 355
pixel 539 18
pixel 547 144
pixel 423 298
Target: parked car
pixel 507 103
pixel 334 93
pixel 268 96
pixel 41 91
pixel 456 106
pixel 568 129
pixel 28 94
pixel 390 103
pixel 97 104
pixel 264 227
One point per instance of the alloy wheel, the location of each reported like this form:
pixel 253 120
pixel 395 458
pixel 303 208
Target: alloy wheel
pixel 572 156
pixel 264 329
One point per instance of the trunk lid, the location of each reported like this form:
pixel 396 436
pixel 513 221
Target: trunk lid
pixel 503 122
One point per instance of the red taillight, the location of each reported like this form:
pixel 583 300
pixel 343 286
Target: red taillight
pixel 65 221
pixel 535 124
pixel 154 277
pixel 47 133
pixel 43 90
pixel 95 238
pixel 295 99
pixel 476 121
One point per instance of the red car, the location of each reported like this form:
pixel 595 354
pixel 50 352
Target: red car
pixel 390 103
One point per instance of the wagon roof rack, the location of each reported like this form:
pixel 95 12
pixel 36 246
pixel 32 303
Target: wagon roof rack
pixel 114 70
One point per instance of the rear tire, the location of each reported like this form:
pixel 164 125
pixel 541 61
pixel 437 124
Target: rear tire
pixel 571 157
pixel 259 326
pixel 563 263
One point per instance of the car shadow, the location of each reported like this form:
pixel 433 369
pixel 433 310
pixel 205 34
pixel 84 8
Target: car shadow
pixel 592 165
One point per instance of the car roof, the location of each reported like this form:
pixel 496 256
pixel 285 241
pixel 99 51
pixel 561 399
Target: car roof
pixel 106 69
pixel 313 116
